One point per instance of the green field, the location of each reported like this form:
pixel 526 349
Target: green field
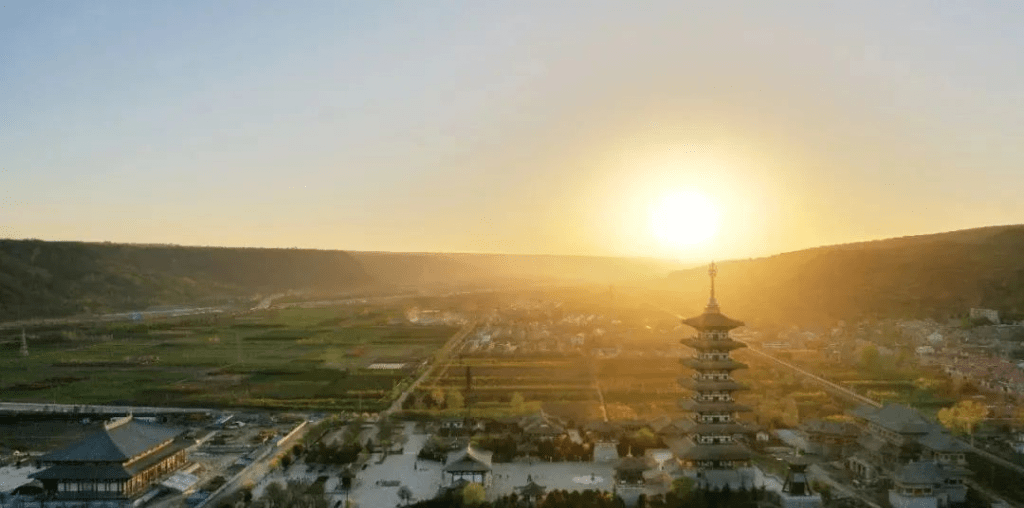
pixel 281 359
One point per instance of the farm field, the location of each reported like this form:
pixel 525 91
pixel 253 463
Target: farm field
pixel 278 359
pixel 562 384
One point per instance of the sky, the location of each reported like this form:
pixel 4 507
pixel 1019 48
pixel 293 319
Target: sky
pixel 515 127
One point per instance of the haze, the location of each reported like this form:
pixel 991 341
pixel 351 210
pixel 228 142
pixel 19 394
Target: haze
pixel 525 128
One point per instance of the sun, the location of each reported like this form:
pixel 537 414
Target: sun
pixel 683 219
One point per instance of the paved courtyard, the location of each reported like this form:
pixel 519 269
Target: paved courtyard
pixel 569 476
pixel 12 477
pixel 377 485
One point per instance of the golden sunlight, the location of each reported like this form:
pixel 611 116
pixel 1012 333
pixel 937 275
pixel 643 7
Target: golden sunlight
pixel 683 219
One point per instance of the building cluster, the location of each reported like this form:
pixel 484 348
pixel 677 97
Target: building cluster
pixel 894 446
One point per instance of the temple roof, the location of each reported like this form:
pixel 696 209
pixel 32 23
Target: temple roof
pixel 692 427
pixel 943 442
pixel 927 473
pixel 702 385
pixel 897 418
pixel 469 460
pixel 829 427
pixel 117 442
pixel 689 450
pixel 712 345
pixel 712 321
pixel 531 489
pixel 711 407
pixel 83 472
pixel 542 424
pixel 631 463
pixel 698 364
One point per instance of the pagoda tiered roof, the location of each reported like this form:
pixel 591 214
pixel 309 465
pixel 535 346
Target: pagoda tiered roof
pixel 712 320
pixel 712 407
pixel 692 427
pixel 698 364
pixel 700 385
pixel 712 345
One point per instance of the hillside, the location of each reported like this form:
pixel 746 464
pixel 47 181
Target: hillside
pixel 45 279
pixel 39 279
pixel 413 269
pixel 937 276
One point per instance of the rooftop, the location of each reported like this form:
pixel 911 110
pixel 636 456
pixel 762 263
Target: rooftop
pixel 897 418
pixel 116 442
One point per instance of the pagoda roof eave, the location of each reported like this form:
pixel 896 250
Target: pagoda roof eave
pixel 698 385
pixel 718 428
pixel 711 320
pixel 698 364
pixel 712 345
pixel 699 407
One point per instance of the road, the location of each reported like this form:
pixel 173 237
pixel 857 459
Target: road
pixel 444 356
pixel 255 471
pixel 88 409
pixel 829 385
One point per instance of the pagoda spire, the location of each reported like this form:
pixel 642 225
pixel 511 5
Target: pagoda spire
pixel 712 303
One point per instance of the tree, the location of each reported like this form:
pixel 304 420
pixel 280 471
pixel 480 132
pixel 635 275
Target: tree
pixel 437 395
pixel 473 494
pixel 869 358
pixel 683 486
pixel 454 400
pixel 405 494
pixel 517 402
pixel 964 416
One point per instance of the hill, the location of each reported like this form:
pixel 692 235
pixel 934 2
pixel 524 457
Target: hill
pixel 419 269
pixel 938 276
pixel 41 279
pixel 47 279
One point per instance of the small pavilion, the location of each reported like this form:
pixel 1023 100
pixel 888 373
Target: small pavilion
pixel 471 465
pixel 532 492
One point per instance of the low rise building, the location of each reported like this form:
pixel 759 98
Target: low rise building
pixel 928 485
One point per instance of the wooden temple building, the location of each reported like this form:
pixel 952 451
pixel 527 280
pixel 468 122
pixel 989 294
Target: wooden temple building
pixel 470 465
pixel 710 442
pixel 116 464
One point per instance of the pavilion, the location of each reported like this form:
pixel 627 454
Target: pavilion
pixel 471 465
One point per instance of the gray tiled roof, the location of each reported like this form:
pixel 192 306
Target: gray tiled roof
pixel 830 427
pixel 83 472
pixel 943 442
pixel 470 459
pixel 897 418
pixel 927 472
pixel 710 320
pixel 116 443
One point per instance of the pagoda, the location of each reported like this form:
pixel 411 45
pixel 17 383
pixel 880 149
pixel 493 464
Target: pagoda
pixel 710 443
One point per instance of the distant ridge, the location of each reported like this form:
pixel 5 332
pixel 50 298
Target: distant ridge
pixel 49 279
pixel 43 279
pixel 936 275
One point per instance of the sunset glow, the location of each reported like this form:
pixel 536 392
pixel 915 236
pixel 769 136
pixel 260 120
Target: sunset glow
pixel 684 219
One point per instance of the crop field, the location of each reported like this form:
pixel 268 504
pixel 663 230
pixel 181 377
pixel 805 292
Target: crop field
pixel 278 359
pixel 565 385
